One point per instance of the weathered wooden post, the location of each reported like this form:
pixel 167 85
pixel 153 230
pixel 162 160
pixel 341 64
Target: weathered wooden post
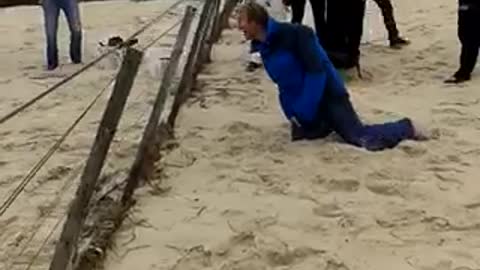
pixel 227 10
pixel 147 141
pixel 66 246
pixel 187 79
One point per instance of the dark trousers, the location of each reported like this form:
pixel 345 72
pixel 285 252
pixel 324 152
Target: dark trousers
pixel 336 114
pixel 469 35
pixel 51 10
pixel 318 11
pixel 345 27
pixel 386 8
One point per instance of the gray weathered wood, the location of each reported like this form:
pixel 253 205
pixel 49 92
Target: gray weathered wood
pixel 225 14
pixel 206 52
pixel 151 127
pixel 66 246
pixel 187 78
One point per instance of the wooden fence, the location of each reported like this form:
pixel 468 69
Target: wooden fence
pixel 105 207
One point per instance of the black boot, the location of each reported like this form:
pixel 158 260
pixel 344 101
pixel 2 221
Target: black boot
pixel 398 42
pixel 457 78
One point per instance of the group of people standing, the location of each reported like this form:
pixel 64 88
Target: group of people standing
pixel 339 28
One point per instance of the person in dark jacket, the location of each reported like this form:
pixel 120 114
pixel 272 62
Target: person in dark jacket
pixel 51 11
pixel 319 12
pixel 469 35
pixel 311 92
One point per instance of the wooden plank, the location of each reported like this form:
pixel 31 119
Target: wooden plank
pixel 201 58
pixel 186 81
pixel 206 52
pixel 224 16
pixel 151 127
pixel 66 246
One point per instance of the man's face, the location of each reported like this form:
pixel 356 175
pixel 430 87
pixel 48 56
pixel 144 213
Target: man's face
pixel 248 27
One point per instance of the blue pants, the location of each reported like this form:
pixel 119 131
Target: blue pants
pixel 337 114
pixel 51 10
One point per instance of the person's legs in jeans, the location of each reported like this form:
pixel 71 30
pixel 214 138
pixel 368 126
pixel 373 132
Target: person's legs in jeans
pixel 51 12
pixel 347 124
pixel 72 13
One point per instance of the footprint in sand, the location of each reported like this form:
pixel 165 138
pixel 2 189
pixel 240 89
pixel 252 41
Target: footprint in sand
pixel 381 183
pixel 328 211
pixel 335 265
pixel 346 185
pixel 413 149
pixel 385 188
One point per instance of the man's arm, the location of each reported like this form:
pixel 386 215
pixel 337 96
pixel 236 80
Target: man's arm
pixel 308 50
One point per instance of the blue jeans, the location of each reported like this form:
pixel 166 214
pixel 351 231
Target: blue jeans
pixel 336 114
pixel 51 10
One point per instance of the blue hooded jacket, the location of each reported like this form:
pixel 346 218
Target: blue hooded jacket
pixel 295 61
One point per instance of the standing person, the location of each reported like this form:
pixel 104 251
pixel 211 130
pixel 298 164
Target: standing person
pixel 277 10
pixel 312 95
pixel 318 11
pixel 396 41
pixel 51 10
pixel 469 35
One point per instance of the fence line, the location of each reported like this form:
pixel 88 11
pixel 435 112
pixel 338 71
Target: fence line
pixel 187 77
pixel 151 126
pixel 87 66
pixel 9 201
pixel 66 247
pixel 106 131
pixel 111 207
pixel 31 174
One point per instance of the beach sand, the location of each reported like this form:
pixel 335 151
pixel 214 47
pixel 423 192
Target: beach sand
pixel 237 194
pixel 27 137
pixel 242 196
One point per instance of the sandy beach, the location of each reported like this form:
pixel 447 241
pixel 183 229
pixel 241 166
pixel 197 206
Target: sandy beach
pixel 242 196
pixel 28 136
pixel 237 194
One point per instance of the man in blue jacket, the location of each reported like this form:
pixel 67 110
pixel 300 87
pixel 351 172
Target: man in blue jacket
pixel 312 94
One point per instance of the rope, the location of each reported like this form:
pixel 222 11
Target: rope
pixel 8 202
pixel 86 67
pixel 151 43
pixel 45 241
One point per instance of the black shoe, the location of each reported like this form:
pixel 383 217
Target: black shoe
pixel 252 66
pixel 296 133
pixel 457 79
pixel 52 67
pixel 399 42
